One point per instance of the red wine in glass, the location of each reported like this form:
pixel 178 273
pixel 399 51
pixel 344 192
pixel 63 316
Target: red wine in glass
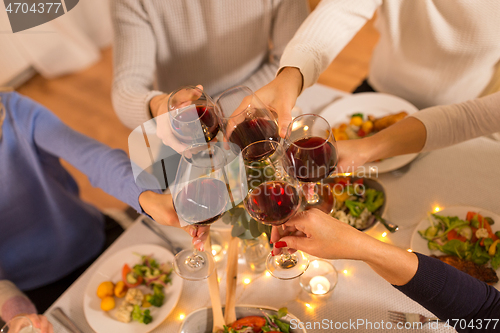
pixel 202 201
pixel 253 130
pixel 273 203
pixel 188 122
pixel 313 158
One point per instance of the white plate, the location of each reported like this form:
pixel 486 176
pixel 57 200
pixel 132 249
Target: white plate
pixel 110 270
pixel 378 105
pixel 419 244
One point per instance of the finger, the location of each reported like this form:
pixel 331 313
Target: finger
pixel 275 235
pixel 294 242
pixel 284 119
pixel 35 320
pixel 198 244
pixel 44 324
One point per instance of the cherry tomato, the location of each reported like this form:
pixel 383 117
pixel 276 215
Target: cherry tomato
pixel 255 322
pixel 126 270
pixel 358 182
pixel 453 234
pixel 361 133
pixel 343 181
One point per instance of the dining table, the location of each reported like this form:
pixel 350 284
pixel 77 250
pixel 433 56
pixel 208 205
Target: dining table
pixel 466 174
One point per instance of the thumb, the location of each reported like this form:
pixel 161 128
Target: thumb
pixel 284 119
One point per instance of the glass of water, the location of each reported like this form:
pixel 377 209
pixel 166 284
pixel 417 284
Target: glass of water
pixel 19 324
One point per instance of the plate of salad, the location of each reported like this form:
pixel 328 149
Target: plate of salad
pixel 251 319
pixel 364 114
pixel 468 233
pixel 132 291
pixel 357 201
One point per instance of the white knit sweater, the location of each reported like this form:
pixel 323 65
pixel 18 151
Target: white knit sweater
pixel 430 52
pixel 160 45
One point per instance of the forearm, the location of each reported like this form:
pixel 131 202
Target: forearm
pixel 324 33
pixel 106 168
pixel 13 302
pixel 451 124
pixel 134 62
pixel 405 137
pixel 450 293
pixel 395 265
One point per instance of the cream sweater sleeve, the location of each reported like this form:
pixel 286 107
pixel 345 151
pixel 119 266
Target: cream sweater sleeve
pixel 324 34
pixel 287 18
pixel 134 62
pixel 452 124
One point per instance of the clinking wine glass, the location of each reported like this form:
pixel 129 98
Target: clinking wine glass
pixel 244 118
pixel 200 196
pixel 312 150
pixel 191 114
pixel 273 197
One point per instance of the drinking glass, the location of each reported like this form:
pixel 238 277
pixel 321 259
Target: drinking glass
pixel 244 119
pixel 192 115
pixel 201 195
pixel 273 197
pixel 19 324
pixel 312 150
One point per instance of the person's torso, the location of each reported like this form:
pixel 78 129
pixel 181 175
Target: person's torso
pixel 215 43
pixel 436 51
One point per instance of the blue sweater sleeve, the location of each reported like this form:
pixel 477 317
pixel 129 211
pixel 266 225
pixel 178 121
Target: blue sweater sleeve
pixel 452 294
pixel 106 168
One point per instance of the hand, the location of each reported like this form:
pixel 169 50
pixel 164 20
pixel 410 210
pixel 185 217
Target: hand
pixel 353 154
pixel 280 95
pixel 159 110
pixel 39 321
pixel 161 208
pixel 324 237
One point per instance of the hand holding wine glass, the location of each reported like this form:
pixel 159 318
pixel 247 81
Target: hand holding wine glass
pixel 272 196
pixel 161 208
pixel 200 197
pixel 184 117
pixel 244 119
pixel 281 94
pixel 312 150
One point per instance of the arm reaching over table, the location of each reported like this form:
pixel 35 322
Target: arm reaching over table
pixel 14 303
pixel 432 128
pixel 440 288
pixel 321 37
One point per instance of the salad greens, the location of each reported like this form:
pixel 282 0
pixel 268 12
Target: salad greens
pixel 273 323
pixel 144 317
pixel 470 239
pixel 158 296
pixel 152 273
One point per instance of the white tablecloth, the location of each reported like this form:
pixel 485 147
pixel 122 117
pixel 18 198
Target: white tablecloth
pixel 465 174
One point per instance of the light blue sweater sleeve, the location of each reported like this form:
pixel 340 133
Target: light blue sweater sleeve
pixel 106 168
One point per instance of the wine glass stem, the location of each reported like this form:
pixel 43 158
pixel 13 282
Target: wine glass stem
pixel 311 195
pixel 287 260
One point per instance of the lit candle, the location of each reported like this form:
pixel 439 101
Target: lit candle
pixel 319 285
pixel 216 251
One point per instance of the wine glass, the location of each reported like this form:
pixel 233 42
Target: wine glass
pixel 201 195
pixel 273 197
pixel 244 119
pixel 19 324
pixel 312 150
pixel 192 115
